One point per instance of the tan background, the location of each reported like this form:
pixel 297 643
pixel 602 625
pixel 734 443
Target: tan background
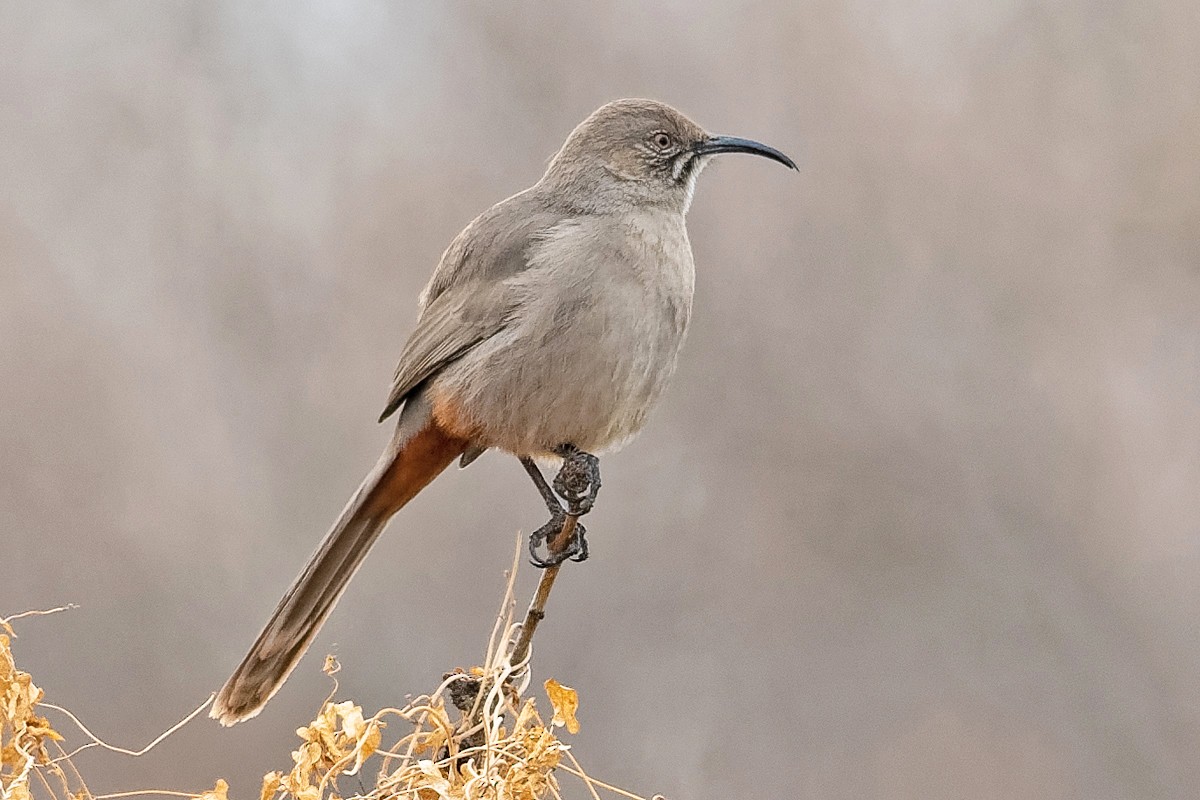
pixel 918 519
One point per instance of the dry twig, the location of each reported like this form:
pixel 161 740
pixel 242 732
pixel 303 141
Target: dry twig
pixel 537 607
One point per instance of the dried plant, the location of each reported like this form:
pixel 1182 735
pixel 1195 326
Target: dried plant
pixel 476 737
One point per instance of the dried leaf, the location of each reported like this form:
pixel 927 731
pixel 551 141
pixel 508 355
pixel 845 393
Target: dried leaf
pixel 566 702
pixel 353 724
pixel 367 745
pixel 527 715
pixel 435 780
pixel 218 792
pixel 270 785
pixel 40 727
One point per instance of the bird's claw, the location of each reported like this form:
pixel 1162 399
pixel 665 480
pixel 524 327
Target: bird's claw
pixel 578 481
pixel 576 549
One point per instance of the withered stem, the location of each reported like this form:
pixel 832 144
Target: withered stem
pixel 537 607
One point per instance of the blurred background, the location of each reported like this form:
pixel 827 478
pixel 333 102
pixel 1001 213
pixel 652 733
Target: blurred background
pixel 918 519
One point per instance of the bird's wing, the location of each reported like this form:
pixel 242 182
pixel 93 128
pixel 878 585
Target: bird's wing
pixel 456 321
pixel 494 246
pixel 467 300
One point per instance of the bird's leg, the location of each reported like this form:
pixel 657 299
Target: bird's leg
pixel 548 496
pixel 578 480
pixel 576 549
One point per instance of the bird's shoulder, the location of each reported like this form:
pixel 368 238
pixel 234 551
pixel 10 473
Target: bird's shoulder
pixel 496 244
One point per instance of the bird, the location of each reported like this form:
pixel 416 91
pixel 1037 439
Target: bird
pixel 549 329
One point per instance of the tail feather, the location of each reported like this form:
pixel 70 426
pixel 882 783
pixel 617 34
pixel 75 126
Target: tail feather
pixel 417 454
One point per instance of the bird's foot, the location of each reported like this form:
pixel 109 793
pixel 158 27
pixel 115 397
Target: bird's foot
pixel 577 483
pixel 575 550
pixel 578 480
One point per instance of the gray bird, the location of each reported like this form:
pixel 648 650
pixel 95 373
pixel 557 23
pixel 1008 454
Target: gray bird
pixel 550 327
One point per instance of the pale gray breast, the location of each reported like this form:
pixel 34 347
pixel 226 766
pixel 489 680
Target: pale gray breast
pixel 602 310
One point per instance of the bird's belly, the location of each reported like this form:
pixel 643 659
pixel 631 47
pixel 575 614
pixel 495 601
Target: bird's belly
pixel 588 377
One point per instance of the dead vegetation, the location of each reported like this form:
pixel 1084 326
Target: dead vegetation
pixel 477 736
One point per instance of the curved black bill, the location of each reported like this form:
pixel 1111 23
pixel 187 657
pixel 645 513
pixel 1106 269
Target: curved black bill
pixel 735 144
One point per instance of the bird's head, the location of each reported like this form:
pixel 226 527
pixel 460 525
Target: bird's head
pixel 643 152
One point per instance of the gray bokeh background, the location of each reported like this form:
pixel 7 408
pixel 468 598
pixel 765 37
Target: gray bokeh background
pixel 918 519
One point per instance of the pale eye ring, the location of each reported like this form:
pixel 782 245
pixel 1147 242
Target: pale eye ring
pixel 661 140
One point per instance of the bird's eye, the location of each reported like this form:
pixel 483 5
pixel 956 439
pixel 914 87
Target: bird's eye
pixel 661 140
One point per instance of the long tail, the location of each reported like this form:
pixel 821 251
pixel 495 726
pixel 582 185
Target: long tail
pixel 419 451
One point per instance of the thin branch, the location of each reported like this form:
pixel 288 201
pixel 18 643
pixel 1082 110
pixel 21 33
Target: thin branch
pixel 537 607
pixel 490 691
